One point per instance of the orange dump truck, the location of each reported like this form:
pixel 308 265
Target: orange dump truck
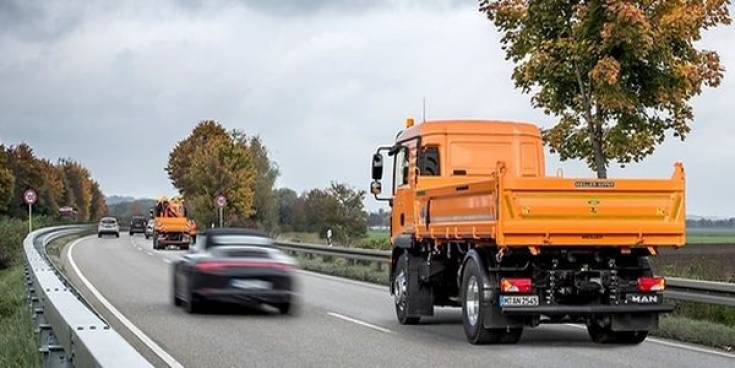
pixel 477 224
pixel 171 225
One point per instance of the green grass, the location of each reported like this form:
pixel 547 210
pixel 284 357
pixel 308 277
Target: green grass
pixel 710 236
pixel 343 268
pixel 17 341
pixel 18 346
pixel 695 331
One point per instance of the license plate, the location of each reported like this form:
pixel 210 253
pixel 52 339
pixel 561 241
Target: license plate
pixel 643 298
pixel 251 284
pixel 518 300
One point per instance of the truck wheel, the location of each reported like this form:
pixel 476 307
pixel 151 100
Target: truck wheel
pixel 604 335
pixel 155 243
pixel 474 311
pixel 401 292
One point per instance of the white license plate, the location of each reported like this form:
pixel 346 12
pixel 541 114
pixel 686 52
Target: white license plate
pixel 518 300
pixel 251 284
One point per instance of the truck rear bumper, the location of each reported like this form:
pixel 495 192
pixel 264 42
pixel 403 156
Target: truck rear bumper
pixel 561 310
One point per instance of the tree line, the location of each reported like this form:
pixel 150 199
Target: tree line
pixel 61 184
pixel 213 161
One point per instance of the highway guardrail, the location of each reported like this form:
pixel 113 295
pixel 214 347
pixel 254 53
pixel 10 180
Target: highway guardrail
pixel 70 333
pixel 707 292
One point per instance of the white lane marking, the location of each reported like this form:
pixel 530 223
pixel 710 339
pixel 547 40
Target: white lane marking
pixel 165 260
pixel 675 345
pixel 149 253
pixel 357 321
pixel 166 357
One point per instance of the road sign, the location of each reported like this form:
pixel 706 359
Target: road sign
pixel 30 196
pixel 220 201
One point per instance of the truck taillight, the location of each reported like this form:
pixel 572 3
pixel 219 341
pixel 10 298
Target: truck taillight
pixel 651 284
pixel 516 285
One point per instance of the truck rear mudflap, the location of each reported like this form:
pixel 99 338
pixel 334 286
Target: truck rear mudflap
pixel 548 211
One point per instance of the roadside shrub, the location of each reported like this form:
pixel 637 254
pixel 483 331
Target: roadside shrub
pixel 700 332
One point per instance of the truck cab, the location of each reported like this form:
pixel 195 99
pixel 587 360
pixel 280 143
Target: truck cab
pixel 477 224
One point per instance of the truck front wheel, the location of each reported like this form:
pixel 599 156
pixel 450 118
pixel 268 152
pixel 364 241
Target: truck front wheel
pixel 474 311
pixel 401 292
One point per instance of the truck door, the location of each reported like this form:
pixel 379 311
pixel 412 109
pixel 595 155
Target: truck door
pixel 404 184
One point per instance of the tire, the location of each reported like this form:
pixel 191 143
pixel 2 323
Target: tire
pixel 474 311
pixel 193 305
pixel 284 308
pixel 117 235
pixel 176 300
pixel 401 292
pixel 99 236
pixel 155 243
pixel 604 335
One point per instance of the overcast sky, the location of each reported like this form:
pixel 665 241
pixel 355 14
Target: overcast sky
pixel 116 84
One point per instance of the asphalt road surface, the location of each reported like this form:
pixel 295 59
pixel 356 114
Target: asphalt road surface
pixel 340 323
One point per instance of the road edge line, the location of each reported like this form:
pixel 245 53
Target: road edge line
pixel 359 322
pixel 147 341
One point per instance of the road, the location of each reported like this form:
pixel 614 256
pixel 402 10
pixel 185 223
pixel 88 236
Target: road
pixel 340 323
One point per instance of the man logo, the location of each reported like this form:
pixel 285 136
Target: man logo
pixel 643 299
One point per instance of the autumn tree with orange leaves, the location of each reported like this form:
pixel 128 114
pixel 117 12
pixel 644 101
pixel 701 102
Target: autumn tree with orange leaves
pixel 619 75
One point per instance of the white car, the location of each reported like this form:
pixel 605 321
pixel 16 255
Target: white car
pixel 109 226
pixel 149 229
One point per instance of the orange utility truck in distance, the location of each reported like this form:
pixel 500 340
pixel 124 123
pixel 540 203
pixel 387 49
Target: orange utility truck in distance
pixel 477 224
pixel 171 225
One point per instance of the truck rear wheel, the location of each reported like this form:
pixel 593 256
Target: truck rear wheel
pixel 474 311
pixel 605 335
pixel 401 292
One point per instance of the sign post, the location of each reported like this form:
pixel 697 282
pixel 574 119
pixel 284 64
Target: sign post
pixel 220 202
pixel 30 197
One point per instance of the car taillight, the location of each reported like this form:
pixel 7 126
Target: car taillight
pixel 210 266
pixel 516 285
pixel 650 284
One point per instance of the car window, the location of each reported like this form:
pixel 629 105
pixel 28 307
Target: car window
pixel 109 222
pixel 224 239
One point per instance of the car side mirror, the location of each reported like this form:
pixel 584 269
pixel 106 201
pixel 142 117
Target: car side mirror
pixel 377 166
pixel 376 188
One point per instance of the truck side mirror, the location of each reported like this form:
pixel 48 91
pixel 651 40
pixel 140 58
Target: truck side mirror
pixel 377 167
pixel 376 188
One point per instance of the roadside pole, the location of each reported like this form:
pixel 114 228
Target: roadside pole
pixel 220 201
pixel 30 197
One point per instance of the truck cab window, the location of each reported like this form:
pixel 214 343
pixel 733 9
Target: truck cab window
pixel 400 174
pixel 429 161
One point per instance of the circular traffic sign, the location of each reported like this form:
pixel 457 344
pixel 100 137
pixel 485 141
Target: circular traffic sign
pixel 220 201
pixel 30 196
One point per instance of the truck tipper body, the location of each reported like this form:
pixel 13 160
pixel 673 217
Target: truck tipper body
pixel 476 223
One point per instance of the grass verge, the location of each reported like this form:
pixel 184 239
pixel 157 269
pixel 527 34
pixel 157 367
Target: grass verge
pixel 18 347
pixel 697 323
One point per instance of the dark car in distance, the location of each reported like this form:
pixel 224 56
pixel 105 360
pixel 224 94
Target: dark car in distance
pixel 137 225
pixel 236 266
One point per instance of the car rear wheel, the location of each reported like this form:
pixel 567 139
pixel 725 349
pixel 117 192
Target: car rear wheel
pixel 175 292
pixel 284 308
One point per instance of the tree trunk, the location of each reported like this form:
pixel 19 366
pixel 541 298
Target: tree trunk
pixel 594 129
pixel 595 132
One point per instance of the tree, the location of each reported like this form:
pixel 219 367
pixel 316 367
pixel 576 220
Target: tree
pixel 180 158
pixel 619 75
pixel 208 163
pixel 51 190
pixel 290 215
pixel 28 173
pixel 98 205
pixel 7 181
pixel 265 203
pixel 339 208
pixel 77 187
